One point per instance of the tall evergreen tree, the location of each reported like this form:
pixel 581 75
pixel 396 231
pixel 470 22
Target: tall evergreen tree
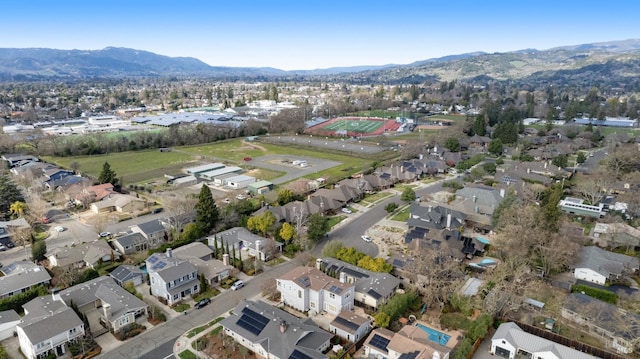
pixel 108 175
pixel 206 211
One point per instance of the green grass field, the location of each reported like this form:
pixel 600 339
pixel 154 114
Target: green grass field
pixel 145 166
pixel 359 126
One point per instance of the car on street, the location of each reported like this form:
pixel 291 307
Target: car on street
pixel 156 210
pixel 346 210
pixel 2 248
pixel 365 238
pixel 202 303
pixel 59 228
pixel 247 159
pixel 241 196
pixel 105 234
pixel 237 285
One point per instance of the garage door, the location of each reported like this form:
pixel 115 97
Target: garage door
pixel 502 352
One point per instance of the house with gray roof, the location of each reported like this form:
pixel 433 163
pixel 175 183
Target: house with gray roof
pixel 201 256
pixel 510 339
pixel 621 328
pixel 116 307
pixel 599 266
pixel 371 289
pixel 130 243
pixel 273 333
pixel 172 279
pixel 246 244
pixel 350 326
pixel 8 321
pixel 21 276
pixel 127 274
pixel 193 250
pixel 87 254
pixel 49 326
pixel 153 231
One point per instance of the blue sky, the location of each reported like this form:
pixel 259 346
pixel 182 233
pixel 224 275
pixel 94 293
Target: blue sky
pixel 308 34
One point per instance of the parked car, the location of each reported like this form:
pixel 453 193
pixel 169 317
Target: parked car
pixel 202 303
pixel 237 285
pixel 226 200
pixel 2 248
pixel 346 210
pixel 59 228
pixel 247 159
pixel 105 234
pixel 157 210
pixel 241 196
pixel 366 238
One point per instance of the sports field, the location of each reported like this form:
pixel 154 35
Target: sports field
pixel 354 125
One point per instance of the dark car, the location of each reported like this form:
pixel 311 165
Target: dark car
pixel 202 303
pixel 157 210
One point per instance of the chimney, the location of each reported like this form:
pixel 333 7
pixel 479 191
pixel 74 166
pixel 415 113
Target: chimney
pixel 502 192
pixel 319 264
pixel 107 310
pixel 448 220
pixel 545 164
pixel 283 326
pixel 401 169
pixel 343 277
pixel 225 259
pixel 258 255
pixel 429 208
pixel 54 294
pixel 169 253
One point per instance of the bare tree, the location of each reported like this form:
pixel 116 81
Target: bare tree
pixel 435 273
pixel 20 236
pixel 593 187
pixel 303 258
pixel 269 289
pixel 177 208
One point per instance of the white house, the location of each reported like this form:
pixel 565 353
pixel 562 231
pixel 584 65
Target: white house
pixel 510 338
pixel 246 244
pixel 350 326
pixel 8 321
pixel 309 289
pixel 598 265
pixel 47 327
pixel 172 279
pixel 409 342
pixel 239 181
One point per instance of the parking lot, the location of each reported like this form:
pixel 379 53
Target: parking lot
pixel 284 163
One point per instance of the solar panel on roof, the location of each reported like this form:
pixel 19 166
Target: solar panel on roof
pixel 343 321
pixel 304 281
pixel 299 355
pixel 159 265
pixel 252 321
pixel 379 342
pixel 152 259
pixel 335 289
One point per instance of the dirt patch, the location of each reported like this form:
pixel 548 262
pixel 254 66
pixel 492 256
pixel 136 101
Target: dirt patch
pixel 217 345
pixel 249 145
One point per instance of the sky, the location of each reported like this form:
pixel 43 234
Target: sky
pixel 312 34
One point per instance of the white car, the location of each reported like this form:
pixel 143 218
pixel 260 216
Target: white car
pixel 237 285
pixel 346 210
pixel 241 196
pixel 105 234
pixel 226 200
pixel 366 238
pixel 59 228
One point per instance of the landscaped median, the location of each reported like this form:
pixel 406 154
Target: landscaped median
pixel 203 339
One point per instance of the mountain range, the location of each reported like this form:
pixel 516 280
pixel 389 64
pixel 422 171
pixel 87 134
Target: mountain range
pixel 607 61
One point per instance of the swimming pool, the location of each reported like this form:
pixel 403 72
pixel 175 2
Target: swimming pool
pixel 435 335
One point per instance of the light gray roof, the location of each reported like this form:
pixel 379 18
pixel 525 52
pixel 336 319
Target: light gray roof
pixel 534 344
pixel 372 283
pixel 8 316
pixel 21 279
pixel 51 325
pixel 84 293
pixel 604 315
pixel 300 334
pixel 177 271
pixel 605 262
pixel 192 250
pixel 151 227
pixel 121 301
pixel 239 234
pixel 40 307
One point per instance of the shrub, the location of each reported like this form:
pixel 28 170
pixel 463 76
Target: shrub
pixel 602 294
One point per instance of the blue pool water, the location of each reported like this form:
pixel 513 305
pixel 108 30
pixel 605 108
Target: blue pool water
pixel 487 261
pixel 483 240
pixel 435 335
pixel 143 268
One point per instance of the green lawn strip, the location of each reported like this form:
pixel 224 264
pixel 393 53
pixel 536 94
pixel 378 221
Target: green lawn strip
pixel 373 198
pixel 335 220
pixel 195 331
pixel 181 307
pixel 402 215
pixel 211 292
pixel 187 354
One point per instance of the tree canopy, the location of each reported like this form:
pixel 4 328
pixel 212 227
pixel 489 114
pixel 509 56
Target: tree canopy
pixel 107 175
pixel 9 194
pixel 317 227
pixel 206 211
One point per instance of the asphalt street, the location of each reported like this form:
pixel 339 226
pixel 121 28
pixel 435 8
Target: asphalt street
pixel 154 342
